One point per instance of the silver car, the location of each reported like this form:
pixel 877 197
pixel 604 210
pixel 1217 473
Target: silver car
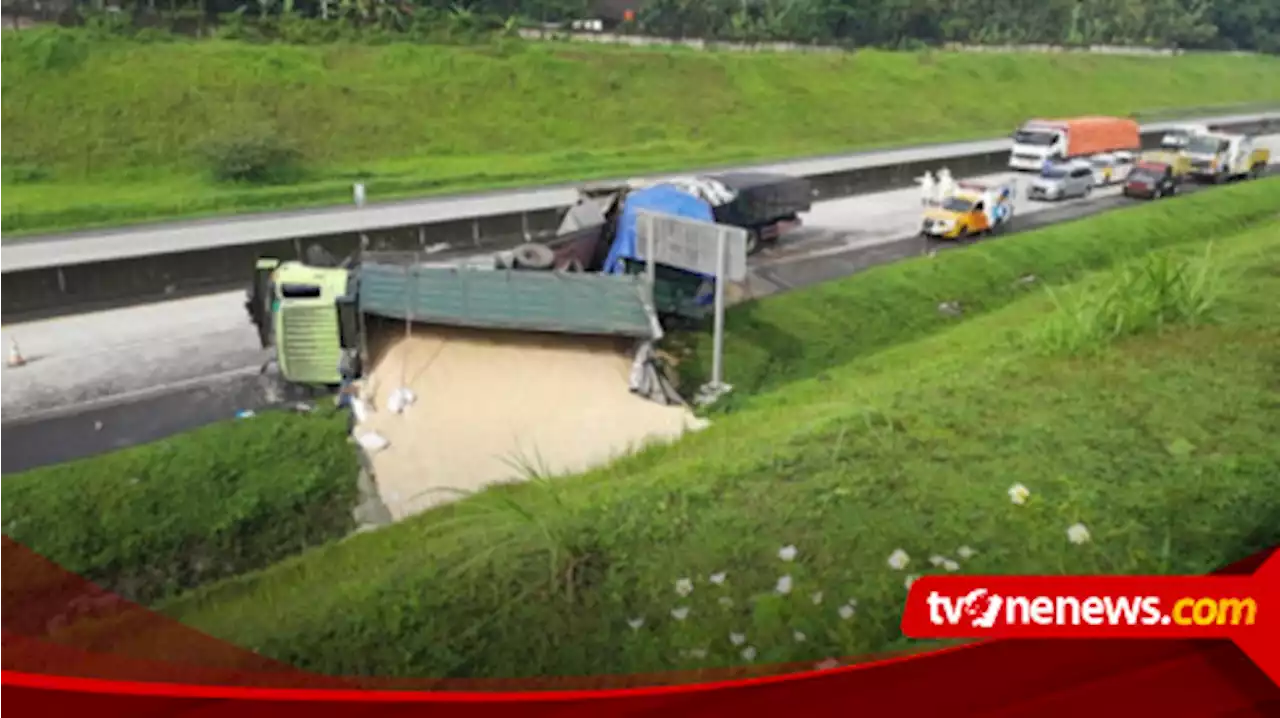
pixel 1062 181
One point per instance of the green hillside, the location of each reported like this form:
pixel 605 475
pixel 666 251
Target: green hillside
pixel 108 130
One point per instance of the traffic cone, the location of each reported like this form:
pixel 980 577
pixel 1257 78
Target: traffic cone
pixel 15 355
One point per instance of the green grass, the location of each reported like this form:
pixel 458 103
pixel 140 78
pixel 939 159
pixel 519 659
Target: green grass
pixel 105 131
pixel 1161 442
pixel 157 519
pixel 802 334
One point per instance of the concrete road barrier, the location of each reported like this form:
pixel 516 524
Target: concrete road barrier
pixel 80 287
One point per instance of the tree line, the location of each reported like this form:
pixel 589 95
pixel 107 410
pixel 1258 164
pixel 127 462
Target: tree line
pixel 1249 25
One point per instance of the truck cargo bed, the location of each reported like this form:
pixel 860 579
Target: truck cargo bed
pixel 554 302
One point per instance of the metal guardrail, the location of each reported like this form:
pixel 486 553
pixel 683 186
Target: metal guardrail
pixel 75 288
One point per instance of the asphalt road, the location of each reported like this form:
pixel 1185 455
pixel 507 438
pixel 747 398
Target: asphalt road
pixel 98 245
pixel 97 429
pixel 103 381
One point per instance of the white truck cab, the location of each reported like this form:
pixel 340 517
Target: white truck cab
pixel 1036 144
pixel 1176 138
pixel 1222 157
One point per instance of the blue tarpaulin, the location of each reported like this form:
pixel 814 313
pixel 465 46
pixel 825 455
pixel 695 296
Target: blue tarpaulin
pixel 664 199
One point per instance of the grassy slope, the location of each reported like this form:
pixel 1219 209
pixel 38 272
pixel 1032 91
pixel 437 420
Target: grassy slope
pixel 108 131
pixel 157 519
pixel 1163 445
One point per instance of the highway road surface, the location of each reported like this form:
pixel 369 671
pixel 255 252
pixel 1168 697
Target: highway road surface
pixel 98 245
pixel 99 381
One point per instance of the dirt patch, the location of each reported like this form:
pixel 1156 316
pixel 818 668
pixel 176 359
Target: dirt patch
pixel 490 406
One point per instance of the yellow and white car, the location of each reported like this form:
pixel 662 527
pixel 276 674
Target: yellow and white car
pixel 972 210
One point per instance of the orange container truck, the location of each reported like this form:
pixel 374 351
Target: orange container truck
pixel 1038 141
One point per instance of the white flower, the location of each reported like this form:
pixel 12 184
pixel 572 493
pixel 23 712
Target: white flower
pixel 827 665
pixel 698 653
pixel 1078 534
pixel 635 623
pixel 680 613
pixel 783 586
pixel 909 580
pixel 726 602
pixel 951 566
pixel 937 560
pixel 800 637
pixel 1018 494
pixel 965 553
pixel 737 639
pixel 749 653
pixel 684 587
pixel 898 560
pixel 817 598
pixel 787 553
pixel 717 578
pixel 852 602
pixel 846 611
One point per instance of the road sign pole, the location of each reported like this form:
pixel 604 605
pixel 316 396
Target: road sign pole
pixel 647 219
pixel 717 357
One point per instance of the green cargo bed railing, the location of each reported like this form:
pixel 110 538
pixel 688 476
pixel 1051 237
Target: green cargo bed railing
pixel 559 302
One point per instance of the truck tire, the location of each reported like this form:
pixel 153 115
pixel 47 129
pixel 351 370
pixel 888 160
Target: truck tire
pixel 532 255
pixel 754 243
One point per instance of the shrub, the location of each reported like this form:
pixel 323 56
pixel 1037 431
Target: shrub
pixel 259 155
pixel 157 519
pixel 1160 291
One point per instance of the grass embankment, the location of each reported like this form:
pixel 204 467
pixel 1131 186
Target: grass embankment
pixel 106 131
pixel 1160 439
pixel 801 334
pixel 154 520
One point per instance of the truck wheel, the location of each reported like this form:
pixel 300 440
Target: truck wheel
pixel 753 241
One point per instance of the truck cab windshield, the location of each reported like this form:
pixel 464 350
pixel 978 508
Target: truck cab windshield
pixel 1038 138
pixel 1206 145
pixel 299 291
pixel 955 204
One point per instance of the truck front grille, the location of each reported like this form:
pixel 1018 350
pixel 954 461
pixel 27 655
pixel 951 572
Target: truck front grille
pixel 309 349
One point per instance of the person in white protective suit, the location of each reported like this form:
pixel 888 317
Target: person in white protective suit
pixel 946 184
pixel 928 189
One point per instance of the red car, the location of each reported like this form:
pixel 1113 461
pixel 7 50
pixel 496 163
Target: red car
pixel 1151 180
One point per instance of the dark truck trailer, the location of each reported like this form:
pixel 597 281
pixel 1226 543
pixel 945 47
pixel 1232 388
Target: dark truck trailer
pixel 762 198
pixel 765 204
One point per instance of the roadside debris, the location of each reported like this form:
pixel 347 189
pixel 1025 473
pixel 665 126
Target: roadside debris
pixel 1028 279
pixel 372 441
pixel 359 409
pixel 15 355
pixel 710 393
pixel 245 414
pixel 951 309
pixel 97 426
pixel 303 407
pixel 400 399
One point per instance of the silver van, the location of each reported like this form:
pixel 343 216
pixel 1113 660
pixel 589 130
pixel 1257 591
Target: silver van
pixel 1062 181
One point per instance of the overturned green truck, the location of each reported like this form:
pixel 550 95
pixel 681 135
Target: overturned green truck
pixel 588 280
pixel 316 317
